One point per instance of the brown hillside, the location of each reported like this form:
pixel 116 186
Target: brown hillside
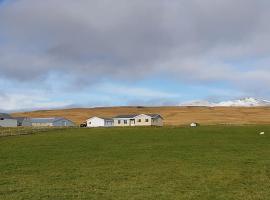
pixel 172 115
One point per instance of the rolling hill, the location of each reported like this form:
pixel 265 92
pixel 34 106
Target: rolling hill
pixel 174 115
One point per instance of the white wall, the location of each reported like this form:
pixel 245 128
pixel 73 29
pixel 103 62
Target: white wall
pixel 143 120
pixel 121 120
pixel 95 122
pixel 109 123
pixel 140 120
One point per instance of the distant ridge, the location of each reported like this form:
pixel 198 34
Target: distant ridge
pixel 244 102
pixel 173 115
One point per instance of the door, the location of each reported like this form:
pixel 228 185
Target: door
pixel 132 122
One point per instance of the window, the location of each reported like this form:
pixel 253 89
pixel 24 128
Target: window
pixel 139 120
pixel 146 120
pixel 119 121
pixel 125 121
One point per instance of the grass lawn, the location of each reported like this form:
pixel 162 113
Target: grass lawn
pixel 216 162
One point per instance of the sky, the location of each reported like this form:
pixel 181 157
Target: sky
pixel 88 53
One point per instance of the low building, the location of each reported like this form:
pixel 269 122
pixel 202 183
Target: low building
pixel 124 120
pixel 99 122
pixel 7 121
pixel 138 120
pixel 53 121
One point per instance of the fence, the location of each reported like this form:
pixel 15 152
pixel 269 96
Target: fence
pixel 4 132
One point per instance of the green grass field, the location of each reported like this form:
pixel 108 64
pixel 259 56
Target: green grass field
pixel 137 163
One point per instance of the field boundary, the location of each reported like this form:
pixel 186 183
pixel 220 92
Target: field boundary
pixel 7 132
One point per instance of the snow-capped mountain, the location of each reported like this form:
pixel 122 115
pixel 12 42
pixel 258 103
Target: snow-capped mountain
pixel 245 102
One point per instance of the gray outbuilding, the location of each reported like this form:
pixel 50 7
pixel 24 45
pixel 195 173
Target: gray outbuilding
pixel 7 121
pixel 53 121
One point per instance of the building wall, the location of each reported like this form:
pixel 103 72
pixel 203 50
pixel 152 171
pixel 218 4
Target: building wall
pixel 109 123
pixel 42 124
pixel 8 123
pixel 140 120
pixel 63 122
pixel 25 122
pixel 95 122
pixel 143 120
pixel 122 122
pixel 157 122
pixel 58 123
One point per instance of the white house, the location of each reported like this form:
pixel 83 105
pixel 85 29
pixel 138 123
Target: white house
pixel 99 122
pixel 138 120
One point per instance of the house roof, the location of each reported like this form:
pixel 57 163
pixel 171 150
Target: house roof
pixel 46 120
pixel 155 115
pixel 5 116
pixel 135 115
pixel 126 116
pixel 105 118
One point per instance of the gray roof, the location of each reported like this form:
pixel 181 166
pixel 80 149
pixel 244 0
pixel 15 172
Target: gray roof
pixel 126 116
pixel 107 119
pixel 155 115
pixel 46 120
pixel 5 116
pixel 135 115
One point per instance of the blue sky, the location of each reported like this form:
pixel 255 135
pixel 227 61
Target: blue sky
pixel 57 54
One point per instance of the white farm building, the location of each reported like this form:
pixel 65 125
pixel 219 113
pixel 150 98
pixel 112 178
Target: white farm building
pixel 99 122
pixel 138 120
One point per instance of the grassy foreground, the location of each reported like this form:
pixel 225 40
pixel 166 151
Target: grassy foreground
pixel 137 163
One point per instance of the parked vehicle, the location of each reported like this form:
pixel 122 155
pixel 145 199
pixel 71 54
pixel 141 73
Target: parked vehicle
pixel 83 125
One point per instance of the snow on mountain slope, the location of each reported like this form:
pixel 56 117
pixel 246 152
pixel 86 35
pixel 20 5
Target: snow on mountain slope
pixel 245 102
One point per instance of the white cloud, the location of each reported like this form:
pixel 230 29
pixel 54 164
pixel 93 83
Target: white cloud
pixel 135 92
pixel 19 102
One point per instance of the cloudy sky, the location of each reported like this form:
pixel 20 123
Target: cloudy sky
pixel 66 53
